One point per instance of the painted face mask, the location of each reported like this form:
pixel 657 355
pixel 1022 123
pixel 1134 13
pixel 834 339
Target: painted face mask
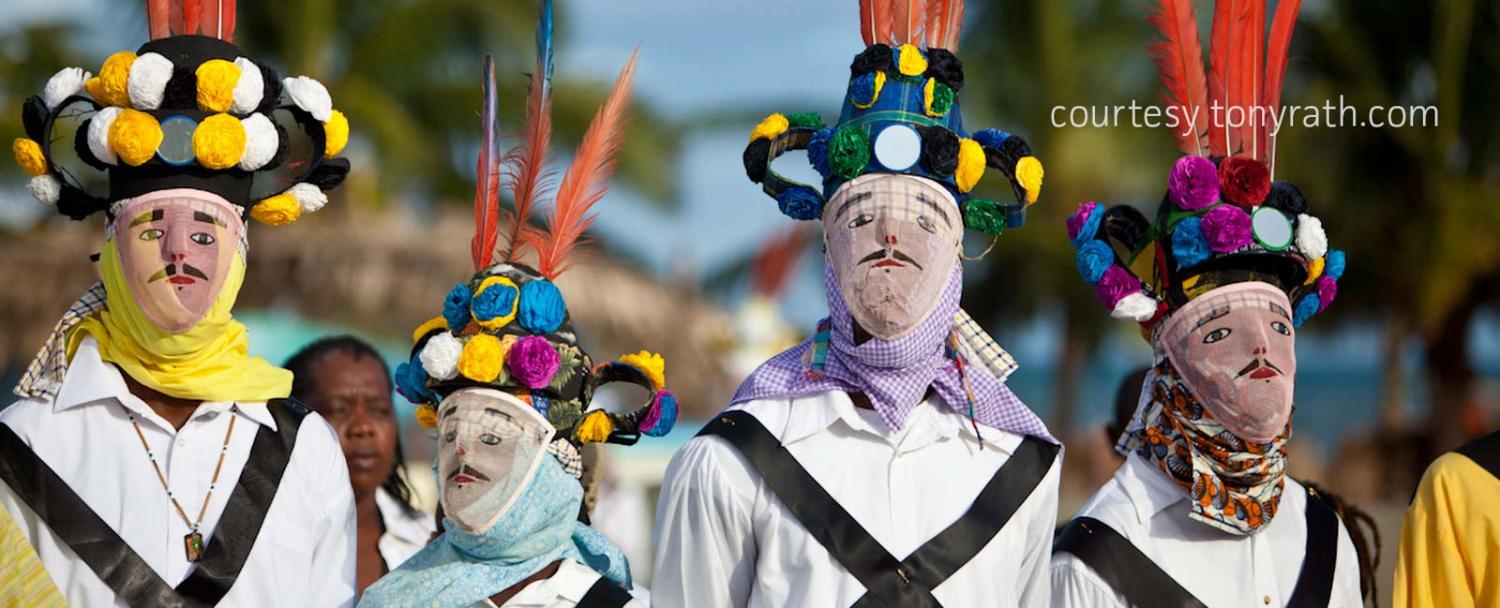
pixel 175 248
pixel 489 446
pixel 1235 349
pixel 892 244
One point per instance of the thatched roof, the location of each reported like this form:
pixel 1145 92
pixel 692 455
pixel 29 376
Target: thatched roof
pixel 381 272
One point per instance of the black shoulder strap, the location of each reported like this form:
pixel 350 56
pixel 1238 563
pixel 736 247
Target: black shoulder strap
pixel 887 580
pixel 605 594
pixel 1122 566
pixel 1485 452
pixel 245 512
pixel 71 519
pixel 1315 581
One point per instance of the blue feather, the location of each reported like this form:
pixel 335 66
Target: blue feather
pixel 544 41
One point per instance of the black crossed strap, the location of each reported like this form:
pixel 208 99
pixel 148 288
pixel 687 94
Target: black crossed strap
pixel 1143 583
pixel 121 569
pixel 604 594
pixel 1485 452
pixel 887 580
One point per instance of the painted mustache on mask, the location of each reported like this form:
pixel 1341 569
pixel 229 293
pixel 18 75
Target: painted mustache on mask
pixel 1262 369
pixel 170 270
pixel 881 254
pixel 469 472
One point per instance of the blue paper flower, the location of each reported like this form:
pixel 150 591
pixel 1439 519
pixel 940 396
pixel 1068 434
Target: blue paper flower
pixel 1093 259
pixel 862 90
pixel 1334 266
pixel 1189 245
pixel 991 138
pixel 542 309
pixel 411 382
pixel 1305 309
pixel 1087 225
pixel 495 301
pixel 456 306
pixel 817 150
pixel 800 203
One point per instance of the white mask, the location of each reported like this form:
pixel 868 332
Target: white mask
pixel 490 443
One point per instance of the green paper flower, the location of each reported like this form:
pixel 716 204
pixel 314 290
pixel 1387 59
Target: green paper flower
pixel 985 216
pixel 942 99
pixel 849 152
pixel 811 120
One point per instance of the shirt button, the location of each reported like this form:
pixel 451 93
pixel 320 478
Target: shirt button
pixel 1268 600
pixel 181 441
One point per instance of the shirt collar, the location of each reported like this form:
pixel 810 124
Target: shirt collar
pixel 399 521
pixel 571 582
pixel 1149 489
pixel 90 380
pixel 930 419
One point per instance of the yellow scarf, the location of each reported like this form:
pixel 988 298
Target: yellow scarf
pixel 208 362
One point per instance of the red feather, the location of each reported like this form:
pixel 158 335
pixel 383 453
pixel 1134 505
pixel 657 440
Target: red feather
pixel 934 30
pixel 1218 83
pixel 1276 56
pixel 525 165
pixel 218 19
pixel 584 183
pixel 159 18
pixel 885 21
pixel 867 21
pixel 192 14
pixel 487 187
pixel 1250 68
pixel 1179 61
pixel 952 24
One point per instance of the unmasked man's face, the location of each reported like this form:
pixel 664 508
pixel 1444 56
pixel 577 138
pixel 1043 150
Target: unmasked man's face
pixel 175 249
pixel 1235 350
pixel 893 241
pixel 490 443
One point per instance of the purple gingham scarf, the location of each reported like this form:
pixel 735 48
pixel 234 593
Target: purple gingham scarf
pixel 895 374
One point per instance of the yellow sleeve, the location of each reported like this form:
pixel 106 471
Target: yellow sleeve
pixel 1450 543
pixel 23 581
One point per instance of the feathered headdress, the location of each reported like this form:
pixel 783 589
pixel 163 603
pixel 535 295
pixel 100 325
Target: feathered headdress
pixel 1222 220
pixel 186 110
pixel 900 115
pixel 507 327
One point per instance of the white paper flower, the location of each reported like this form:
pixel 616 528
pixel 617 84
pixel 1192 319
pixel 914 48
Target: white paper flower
pixel 1311 239
pixel 310 95
pixel 66 83
pixel 309 196
pixel 99 135
pixel 147 83
pixel 261 142
pixel 1137 307
pixel 440 356
pixel 45 188
pixel 250 88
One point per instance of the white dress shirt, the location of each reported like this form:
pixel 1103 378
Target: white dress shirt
pixel 564 589
pixel 1218 568
pixel 304 555
pixel 407 530
pixel 724 539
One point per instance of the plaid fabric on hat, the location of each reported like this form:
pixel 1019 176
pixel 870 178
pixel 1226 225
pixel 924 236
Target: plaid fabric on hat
pixel 978 348
pixel 43 378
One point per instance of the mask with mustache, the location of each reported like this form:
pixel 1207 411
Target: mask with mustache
pixel 1235 349
pixel 892 242
pixel 490 444
pixel 175 247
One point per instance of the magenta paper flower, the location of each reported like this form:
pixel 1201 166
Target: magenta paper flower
pixel 532 362
pixel 1193 183
pixel 1227 228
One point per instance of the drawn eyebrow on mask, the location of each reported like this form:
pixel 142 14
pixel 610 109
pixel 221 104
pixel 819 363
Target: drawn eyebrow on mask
pixel 490 410
pixel 151 216
pixel 1276 308
pixel 853 198
pixel 935 207
pixel 1216 313
pixel 207 218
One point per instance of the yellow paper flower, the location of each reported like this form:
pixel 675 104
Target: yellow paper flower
pixel 1029 173
pixel 112 89
pixel 770 128
pixel 1315 270
pixel 219 141
pixel 335 134
pixel 482 358
pixel 216 81
pixel 971 164
pixel 134 136
pixel 278 210
pixel 875 95
pixel 426 416
pixel 29 156
pixel 595 427
pixel 912 63
pixel 652 364
pixel 437 322
pixel 481 305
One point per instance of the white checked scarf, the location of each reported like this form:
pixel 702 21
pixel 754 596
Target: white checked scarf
pixel 44 376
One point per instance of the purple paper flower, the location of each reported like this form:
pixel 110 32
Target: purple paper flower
pixel 1328 289
pixel 1083 224
pixel 1193 183
pixel 1227 228
pixel 662 415
pixel 1115 285
pixel 532 362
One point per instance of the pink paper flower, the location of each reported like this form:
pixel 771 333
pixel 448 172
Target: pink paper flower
pixel 1115 285
pixel 1328 289
pixel 1227 228
pixel 532 362
pixel 1193 183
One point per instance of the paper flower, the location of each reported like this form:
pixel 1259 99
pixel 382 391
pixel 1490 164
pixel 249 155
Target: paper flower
pixel 278 210
pixel 650 364
pixel 991 138
pixel 817 150
pixel 662 415
pixel 1093 259
pixel 1137 307
pixel 98 135
pixel 456 306
pixel 910 62
pixel 134 137
pixel 249 90
pixel 1305 309
pixel 66 83
pixel 1114 285
pixel 805 120
pixel 1287 198
pixel 308 196
pixel 411 382
pixel 1029 174
pixel 29 156
pixel 219 141
pixel 1244 181
pixel 261 142
pixel 971 163
pixel 984 215
pixel 1312 241
pixel 1189 246
pixel 426 416
pixel 865 90
pixel 147 83
pixel 770 127
pixel 800 203
pixel 216 79
pixel 431 325
pixel 532 362
pixel 45 188
pixel 310 95
pixel 336 134
pixel 1328 289
pixel 1335 268
pixel 937 98
pixel 441 354
pixel 494 304
pixel 481 359
pixel 1083 223
pixel 849 152
pixel 1193 183
pixel 542 308
pixel 1227 228
pixel 111 87
pixel 595 427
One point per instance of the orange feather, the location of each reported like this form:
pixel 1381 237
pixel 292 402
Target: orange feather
pixel 1179 61
pixel 1276 59
pixel 526 166
pixel 1218 83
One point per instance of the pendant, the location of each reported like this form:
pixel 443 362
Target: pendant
pixel 193 544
